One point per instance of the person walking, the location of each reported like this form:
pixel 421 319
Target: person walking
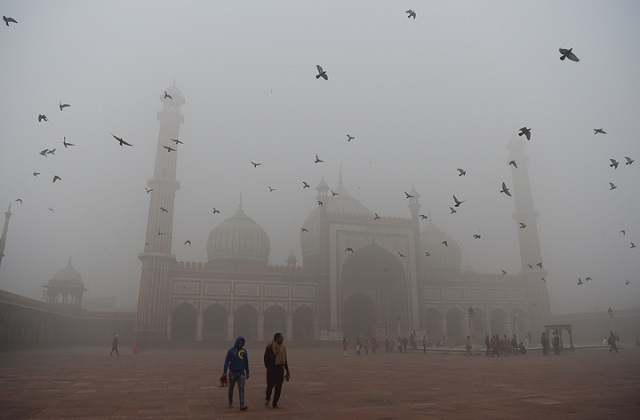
pixel 544 341
pixel 114 346
pixel 487 343
pixel 556 343
pixel 275 360
pixel 237 363
pixel 612 342
pixel 345 346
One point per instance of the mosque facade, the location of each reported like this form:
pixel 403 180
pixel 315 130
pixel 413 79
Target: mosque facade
pixel 360 274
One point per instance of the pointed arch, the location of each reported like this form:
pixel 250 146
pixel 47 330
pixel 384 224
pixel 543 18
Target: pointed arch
pixel 184 319
pixel 275 320
pixel 214 323
pixel 245 322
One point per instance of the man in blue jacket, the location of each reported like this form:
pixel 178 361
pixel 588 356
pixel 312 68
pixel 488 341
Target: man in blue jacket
pixel 237 362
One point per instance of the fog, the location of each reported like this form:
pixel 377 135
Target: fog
pixel 421 97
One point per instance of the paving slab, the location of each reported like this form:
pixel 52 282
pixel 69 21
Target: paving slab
pixel 87 383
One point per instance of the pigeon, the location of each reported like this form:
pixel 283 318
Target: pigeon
pixel 63 106
pixel 169 149
pixel 513 162
pixel 614 163
pixel 632 245
pixel 375 216
pixel 543 279
pixel 402 255
pixel 160 233
pixel 64 142
pixel 56 178
pixel 426 254
pixel 122 142
pixel 476 236
pixel 539 264
pixel 349 250
pixel 164 210
pixel 627 282
pixel 462 172
pixel 19 200
pixel 526 132
pixel 505 189
pixel 271 189
pixel 187 242
pixel 612 186
pixel 599 131
pixel 411 14
pixel 320 203
pixel 176 141
pixel 255 164
pixel 333 193
pixel 44 152
pixel 318 160
pixel 588 279
pixel 503 272
pixel 8 19
pixel 624 232
pixel 579 281
pixel 445 243
pixel 424 216
pixel 50 209
pixel 522 225
pixel 36 173
pixel 148 189
pixel 305 185
pixel 349 137
pixel 303 229
pixel 51 151
pixel 166 95
pixel 458 202
pixel 408 195
pixel 530 266
pixel 321 73
pixel 215 210
pixel 629 160
pixel 453 210
pixel 567 53
pixel 42 117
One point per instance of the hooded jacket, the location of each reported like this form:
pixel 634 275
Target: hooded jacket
pixel 237 360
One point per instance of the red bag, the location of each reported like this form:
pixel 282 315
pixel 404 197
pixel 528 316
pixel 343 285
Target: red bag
pixel 224 381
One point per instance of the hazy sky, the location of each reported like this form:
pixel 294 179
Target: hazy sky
pixel 422 97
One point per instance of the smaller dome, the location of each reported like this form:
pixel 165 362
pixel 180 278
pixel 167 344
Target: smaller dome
pixel 442 257
pixel 68 276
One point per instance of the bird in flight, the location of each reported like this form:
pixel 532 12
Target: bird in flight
pixel 612 186
pixel 318 160
pixel 160 233
pixel 36 173
pixel 187 242
pixel 476 236
pixel 255 164
pixel 543 279
pixel 375 216
pixel 624 232
pixel 526 132
pixel 408 195
pixel 522 225
pixel 51 151
pixel 458 202
pixel 305 185
pixel 176 141
pixel 44 152
pixel 303 229
pixel 63 106
pixel 169 149
pixel 50 209
pixel 426 254
pixel 614 163
pixel 148 189
pixel 445 243
pixel 166 95
pixel 505 189
pixel 271 189
pixel 579 281
pixel 629 160
pixel 56 178
pixel 453 210
pixel 19 200
pixel 42 117
pixel 164 210
pixel 402 255
pixel 539 264
pixel 568 53
pixel 320 203
pixel 627 282
pixel 503 272
pixel 588 279
pixel 333 193
pixel 530 266
pixel 64 142
pixel 462 172
pixel 8 19
pixel 513 162
pixel 349 250
pixel 122 142
pixel 321 73
pixel 632 245
pixel 411 14
pixel 423 216
pixel 215 210
pixel 599 131
pixel 349 137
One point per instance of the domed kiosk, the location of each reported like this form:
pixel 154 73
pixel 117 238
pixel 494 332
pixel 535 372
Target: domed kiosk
pixel 66 287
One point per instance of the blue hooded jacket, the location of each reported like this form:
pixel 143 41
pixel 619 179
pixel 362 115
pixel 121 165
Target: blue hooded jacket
pixel 237 360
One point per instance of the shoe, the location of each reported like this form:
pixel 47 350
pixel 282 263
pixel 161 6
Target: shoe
pixel 275 405
pixel 244 407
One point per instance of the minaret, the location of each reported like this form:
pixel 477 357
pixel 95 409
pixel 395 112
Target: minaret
pixel 155 282
pixel 539 309
pixel 3 238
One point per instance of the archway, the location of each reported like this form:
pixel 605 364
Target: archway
pixel 498 322
pixel 245 323
pixel 359 316
pixel 455 326
pixel 214 323
pixel 303 324
pixel 275 320
pixel 479 324
pixel 518 322
pixel 433 324
pixel 183 322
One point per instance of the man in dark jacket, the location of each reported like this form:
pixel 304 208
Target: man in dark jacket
pixel 114 346
pixel 237 362
pixel 275 360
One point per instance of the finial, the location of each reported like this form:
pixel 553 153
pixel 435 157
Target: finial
pixel 69 259
pixel 9 207
pixel 240 205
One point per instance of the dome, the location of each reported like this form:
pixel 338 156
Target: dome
pixel 239 239
pixel 442 258
pixel 68 276
pixel 339 202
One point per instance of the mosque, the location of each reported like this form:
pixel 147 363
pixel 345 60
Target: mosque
pixel 360 274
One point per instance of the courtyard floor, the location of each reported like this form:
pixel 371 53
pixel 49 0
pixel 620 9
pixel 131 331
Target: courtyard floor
pixel 86 383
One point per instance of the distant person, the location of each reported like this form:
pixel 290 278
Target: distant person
pixel 366 346
pixel 237 362
pixel 374 345
pixel 612 342
pixel 358 346
pixel 487 343
pixel 345 346
pixel 556 343
pixel 514 345
pixel 114 346
pixel 468 346
pixel 521 348
pixel 424 344
pixel 544 341
pixel 275 360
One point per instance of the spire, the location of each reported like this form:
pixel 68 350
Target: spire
pixel 240 205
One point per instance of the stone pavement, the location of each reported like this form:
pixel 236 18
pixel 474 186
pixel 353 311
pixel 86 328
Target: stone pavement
pixel 85 383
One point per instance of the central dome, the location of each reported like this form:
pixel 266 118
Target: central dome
pixel 239 239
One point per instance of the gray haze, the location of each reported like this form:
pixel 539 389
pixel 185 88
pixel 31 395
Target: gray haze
pixel 422 97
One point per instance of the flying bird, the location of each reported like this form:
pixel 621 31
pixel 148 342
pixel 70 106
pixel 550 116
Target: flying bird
pixel 445 243
pixel 349 250
pixel 56 178
pixel 530 266
pixel 426 254
pixel 64 142
pixel 588 279
pixel 627 282
pixel 42 117
pixel 458 202
pixel 36 173
pixel 375 216
pixel 408 195
pixel 50 209
pixel 44 152
pixel 612 186
pixel 63 106
pixel 526 132
pixel 402 255
pixel 51 151
pixel 624 232
pixel 513 162
pixel 503 272
pixel 320 203
pixel 215 210
pixel 166 95
pixel 599 131
pixel 122 142
pixel 629 160
pixel 567 53
pixel 19 200
pixel 539 264
pixel 187 242
pixel 632 245
pixel 271 189
pixel 579 281
pixel 543 279
pixel 321 73
pixel 169 149
pixel 476 236
pixel 505 189
pixel 255 164
pixel 462 172
pixel 423 216
pixel 614 164
pixel 349 137
pixel 148 189
pixel 303 229
pixel 333 193
pixel 318 160
pixel 160 233
pixel 305 185
pixel 411 14
pixel 453 210
pixel 522 225
pixel 164 210
pixel 176 141
pixel 8 19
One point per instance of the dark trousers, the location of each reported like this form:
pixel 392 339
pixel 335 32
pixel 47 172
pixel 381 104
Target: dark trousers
pixel 275 378
pixel 114 349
